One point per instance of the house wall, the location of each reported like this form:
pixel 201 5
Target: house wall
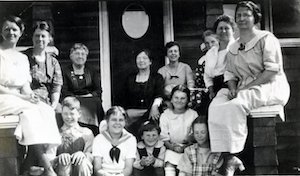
pixel 189 24
pixel 288 132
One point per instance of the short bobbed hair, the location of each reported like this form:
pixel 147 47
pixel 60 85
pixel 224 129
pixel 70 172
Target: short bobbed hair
pixel 252 7
pixel 114 111
pixel 149 126
pixel 184 89
pixel 171 44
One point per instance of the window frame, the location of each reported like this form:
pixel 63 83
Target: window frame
pixel 284 42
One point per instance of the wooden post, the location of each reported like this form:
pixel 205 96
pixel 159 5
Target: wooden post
pixel 263 141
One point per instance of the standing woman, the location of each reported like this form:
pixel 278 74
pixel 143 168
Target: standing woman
pixel 215 61
pixel 37 125
pixel 175 73
pixel 255 78
pixel 45 69
pixel 144 92
pixel 84 83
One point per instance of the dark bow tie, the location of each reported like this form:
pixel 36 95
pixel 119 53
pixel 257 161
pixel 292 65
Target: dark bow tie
pixel 175 76
pixel 114 153
pixel 242 46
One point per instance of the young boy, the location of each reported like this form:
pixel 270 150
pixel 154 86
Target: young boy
pixel 150 152
pixel 198 159
pixel 74 154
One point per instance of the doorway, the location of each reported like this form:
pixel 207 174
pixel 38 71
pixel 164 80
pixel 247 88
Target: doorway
pixel 123 48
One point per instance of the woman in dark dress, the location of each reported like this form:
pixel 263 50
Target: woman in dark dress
pixel 143 92
pixel 84 83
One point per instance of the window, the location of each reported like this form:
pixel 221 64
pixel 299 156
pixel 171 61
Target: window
pixel 285 21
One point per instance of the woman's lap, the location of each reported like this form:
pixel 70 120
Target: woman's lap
pixel 37 123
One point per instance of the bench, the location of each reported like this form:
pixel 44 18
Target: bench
pixel 262 141
pixel 9 158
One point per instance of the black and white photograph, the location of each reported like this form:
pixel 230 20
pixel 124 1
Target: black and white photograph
pixel 149 87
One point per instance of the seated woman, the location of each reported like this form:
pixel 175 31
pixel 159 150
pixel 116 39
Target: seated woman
pixel 200 98
pixel 215 57
pixel 255 78
pixel 45 69
pixel 37 125
pixel 83 82
pixel 143 92
pixel 114 149
pixel 175 73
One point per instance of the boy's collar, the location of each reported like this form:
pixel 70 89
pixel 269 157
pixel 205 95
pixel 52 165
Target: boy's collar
pixel 75 126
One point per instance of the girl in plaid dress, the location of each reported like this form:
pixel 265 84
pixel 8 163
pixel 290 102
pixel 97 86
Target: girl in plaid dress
pixel 198 159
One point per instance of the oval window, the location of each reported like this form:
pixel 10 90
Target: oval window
pixel 135 21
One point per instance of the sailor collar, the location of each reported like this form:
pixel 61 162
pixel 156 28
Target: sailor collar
pixel 236 46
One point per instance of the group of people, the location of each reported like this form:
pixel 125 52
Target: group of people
pixel 156 133
pixel 32 85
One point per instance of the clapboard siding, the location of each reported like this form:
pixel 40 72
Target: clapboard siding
pixel 288 132
pixel 76 22
pixel 189 24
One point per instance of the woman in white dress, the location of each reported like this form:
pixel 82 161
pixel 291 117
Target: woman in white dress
pixel 37 125
pixel 255 78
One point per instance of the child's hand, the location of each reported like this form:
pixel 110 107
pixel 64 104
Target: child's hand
pixel 178 148
pixel 64 159
pixel 143 161
pixel 78 157
pixel 150 159
pixel 87 170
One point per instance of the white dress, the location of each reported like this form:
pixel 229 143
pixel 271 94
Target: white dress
pixel 215 64
pixel 37 123
pixel 227 119
pixel 176 129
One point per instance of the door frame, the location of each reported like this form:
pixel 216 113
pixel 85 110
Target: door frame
pixel 105 66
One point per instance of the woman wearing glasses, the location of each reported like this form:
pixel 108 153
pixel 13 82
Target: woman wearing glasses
pixel 255 78
pixel 83 82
